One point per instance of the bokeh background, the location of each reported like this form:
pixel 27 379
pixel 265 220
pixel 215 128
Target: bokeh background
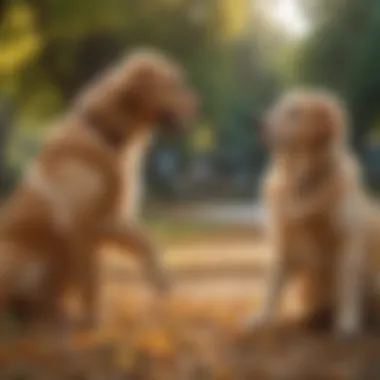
pixel 240 54
pixel 201 200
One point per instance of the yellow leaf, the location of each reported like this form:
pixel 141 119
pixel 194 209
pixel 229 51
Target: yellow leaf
pixel 236 14
pixel 19 41
pixel 156 342
pixel 203 139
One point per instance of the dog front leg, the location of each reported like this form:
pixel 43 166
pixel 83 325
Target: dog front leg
pixel 278 272
pixel 351 281
pixel 131 238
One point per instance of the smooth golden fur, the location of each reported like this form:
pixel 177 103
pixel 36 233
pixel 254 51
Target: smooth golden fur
pixel 81 189
pixel 321 223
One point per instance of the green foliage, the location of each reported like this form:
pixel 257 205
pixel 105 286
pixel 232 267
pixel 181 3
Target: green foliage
pixel 19 44
pixel 343 53
pixel 50 48
pixel 61 44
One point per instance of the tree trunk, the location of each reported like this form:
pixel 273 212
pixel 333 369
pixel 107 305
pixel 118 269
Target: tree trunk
pixel 5 130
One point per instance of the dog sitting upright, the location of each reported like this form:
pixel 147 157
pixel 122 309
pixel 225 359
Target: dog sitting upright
pixel 71 196
pixel 321 223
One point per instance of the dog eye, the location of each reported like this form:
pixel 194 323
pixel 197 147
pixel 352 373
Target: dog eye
pixel 173 86
pixel 293 113
pixel 286 144
pixel 283 142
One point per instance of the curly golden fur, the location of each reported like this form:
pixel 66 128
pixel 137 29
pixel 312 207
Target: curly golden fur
pixel 321 222
pixel 83 187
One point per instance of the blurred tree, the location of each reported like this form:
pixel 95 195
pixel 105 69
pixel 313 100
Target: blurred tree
pixel 50 48
pixel 5 124
pixel 343 53
pixel 65 43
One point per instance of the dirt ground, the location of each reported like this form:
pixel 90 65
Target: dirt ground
pixel 192 334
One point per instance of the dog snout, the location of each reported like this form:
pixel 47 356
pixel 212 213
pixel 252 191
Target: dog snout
pixel 192 104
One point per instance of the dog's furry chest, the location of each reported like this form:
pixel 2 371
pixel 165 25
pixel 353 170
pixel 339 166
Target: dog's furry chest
pixel 314 240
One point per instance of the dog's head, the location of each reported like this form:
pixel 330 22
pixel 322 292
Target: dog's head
pixel 305 127
pixel 154 90
pixel 146 90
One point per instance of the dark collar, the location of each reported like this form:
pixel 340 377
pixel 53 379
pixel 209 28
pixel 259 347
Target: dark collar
pixel 109 132
pixel 312 183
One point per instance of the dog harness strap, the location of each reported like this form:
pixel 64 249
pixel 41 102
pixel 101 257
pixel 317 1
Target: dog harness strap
pixel 108 132
pixel 313 182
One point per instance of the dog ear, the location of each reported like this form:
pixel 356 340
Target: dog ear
pixel 134 96
pixel 265 126
pixel 137 92
pixel 331 122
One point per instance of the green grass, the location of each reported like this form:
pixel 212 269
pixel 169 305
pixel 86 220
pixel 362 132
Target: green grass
pixel 170 229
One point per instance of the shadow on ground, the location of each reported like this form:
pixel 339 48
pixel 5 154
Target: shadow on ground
pixel 192 335
pixel 192 344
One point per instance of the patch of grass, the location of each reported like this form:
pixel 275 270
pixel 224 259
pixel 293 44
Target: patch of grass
pixel 169 229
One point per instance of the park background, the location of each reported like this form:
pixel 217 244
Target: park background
pixel 201 201
pixel 240 55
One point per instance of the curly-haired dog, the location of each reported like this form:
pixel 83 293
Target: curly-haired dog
pixel 84 185
pixel 321 222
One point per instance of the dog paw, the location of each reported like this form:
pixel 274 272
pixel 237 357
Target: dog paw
pixel 348 328
pixel 254 323
pixel 88 323
pixel 163 285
